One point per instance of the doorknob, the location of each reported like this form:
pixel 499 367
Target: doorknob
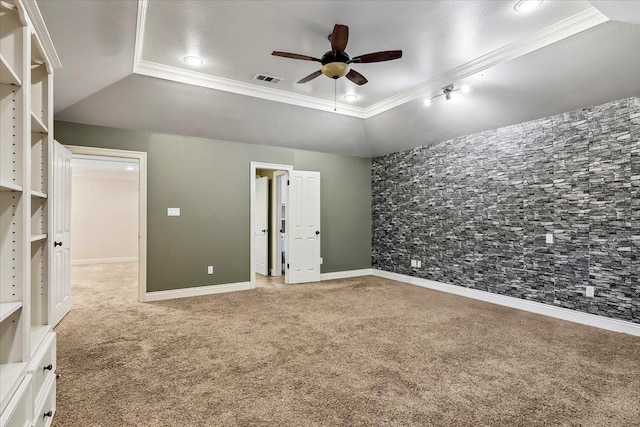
pixel 57 244
pixel 317 232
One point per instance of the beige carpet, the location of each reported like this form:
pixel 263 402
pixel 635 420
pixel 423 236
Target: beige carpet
pixel 357 352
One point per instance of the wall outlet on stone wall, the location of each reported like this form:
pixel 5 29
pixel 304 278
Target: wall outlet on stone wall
pixel 589 291
pixel 413 263
pixel 416 263
pixel 550 238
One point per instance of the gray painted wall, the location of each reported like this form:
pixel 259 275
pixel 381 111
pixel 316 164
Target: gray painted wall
pixel 209 181
pixel 475 210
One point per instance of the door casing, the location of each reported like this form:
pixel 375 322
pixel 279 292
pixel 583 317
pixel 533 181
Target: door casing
pixel 254 166
pixel 142 203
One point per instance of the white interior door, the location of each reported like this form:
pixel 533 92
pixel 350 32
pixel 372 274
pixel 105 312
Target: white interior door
pixel 303 247
pixel 261 227
pixel 60 246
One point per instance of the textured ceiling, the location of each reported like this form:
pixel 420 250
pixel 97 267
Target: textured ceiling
pixel 96 40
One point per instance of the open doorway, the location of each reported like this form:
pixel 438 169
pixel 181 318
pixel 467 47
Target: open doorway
pixel 268 223
pixel 108 221
pixel 270 227
pixel 301 232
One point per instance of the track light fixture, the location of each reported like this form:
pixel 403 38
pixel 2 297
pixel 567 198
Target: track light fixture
pixel 447 91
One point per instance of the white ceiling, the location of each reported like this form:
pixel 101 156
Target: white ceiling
pixel 557 58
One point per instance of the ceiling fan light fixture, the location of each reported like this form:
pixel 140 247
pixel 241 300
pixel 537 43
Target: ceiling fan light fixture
pixel 350 97
pixel 526 5
pixel 335 70
pixel 193 60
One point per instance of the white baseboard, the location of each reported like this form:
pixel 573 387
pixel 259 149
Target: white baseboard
pixel 347 274
pixel 103 260
pixel 531 306
pixel 196 291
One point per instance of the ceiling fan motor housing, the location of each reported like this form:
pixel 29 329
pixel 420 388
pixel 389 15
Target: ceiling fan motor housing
pixel 335 64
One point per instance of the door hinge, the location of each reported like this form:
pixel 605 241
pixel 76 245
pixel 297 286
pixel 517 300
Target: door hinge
pixel 287 182
pixel 287 265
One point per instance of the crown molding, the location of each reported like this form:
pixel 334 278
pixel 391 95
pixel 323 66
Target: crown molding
pixel 42 34
pixel 568 27
pixel 180 75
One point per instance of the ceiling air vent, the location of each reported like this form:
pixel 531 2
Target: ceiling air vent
pixel 268 78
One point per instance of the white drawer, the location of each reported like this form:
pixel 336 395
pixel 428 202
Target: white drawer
pixel 43 364
pixel 46 406
pixel 18 411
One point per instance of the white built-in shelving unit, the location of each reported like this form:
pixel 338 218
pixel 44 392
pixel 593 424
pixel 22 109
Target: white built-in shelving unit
pixel 27 342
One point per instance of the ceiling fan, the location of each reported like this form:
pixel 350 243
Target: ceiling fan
pixel 335 63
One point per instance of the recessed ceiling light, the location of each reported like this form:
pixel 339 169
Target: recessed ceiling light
pixel 526 5
pixel 427 102
pixel 351 97
pixel 193 60
pixel 465 88
pixel 129 168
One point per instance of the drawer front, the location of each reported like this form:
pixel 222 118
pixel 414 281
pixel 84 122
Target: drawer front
pixel 18 411
pixel 43 416
pixel 43 366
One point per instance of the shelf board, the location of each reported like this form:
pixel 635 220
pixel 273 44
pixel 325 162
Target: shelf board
pixel 9 186
pixel 7 74
pixel 36 336
pixel 11 374
pixel 8 308
pixel 38 237
pixel 37 125
pixel 39 194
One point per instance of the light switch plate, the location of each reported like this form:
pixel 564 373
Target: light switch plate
pixel 210 269
pixel 413 263
pixel 419 264
pixel 549 238
pixel 589 291
pixel 321 260
pixel 173 211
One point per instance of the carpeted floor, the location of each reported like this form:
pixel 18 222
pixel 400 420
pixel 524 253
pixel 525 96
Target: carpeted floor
pixel 357 352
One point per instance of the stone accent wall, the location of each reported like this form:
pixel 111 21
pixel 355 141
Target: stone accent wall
pixel 475 210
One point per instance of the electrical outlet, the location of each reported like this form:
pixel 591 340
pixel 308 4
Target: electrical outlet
pixel 419 264
pixel 413 263
pixel 550 238
pixel 210 269
pixel 590 291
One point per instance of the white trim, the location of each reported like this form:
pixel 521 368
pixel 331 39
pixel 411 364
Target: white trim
pixel 103 260
pixel 568 27
pixel 142 203
pixel 348 274
pixel 196 291
pixel 140 24
pixel 33 12
pixel 195 78
pixel 254 166
pixel 520 304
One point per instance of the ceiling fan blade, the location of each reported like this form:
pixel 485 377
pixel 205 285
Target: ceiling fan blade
pixel 294 56
pixel 356 77
pixel 386 55
pixel 310 77
pixel 339 38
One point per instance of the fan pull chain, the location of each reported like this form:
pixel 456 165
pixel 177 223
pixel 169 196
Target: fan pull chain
pixel 335 94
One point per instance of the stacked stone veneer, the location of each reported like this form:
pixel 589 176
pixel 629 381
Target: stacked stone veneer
pixel 476 210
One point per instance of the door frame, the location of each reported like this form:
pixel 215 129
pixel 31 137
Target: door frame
pixel 254 166
pixel 141 156
pixel 276 221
